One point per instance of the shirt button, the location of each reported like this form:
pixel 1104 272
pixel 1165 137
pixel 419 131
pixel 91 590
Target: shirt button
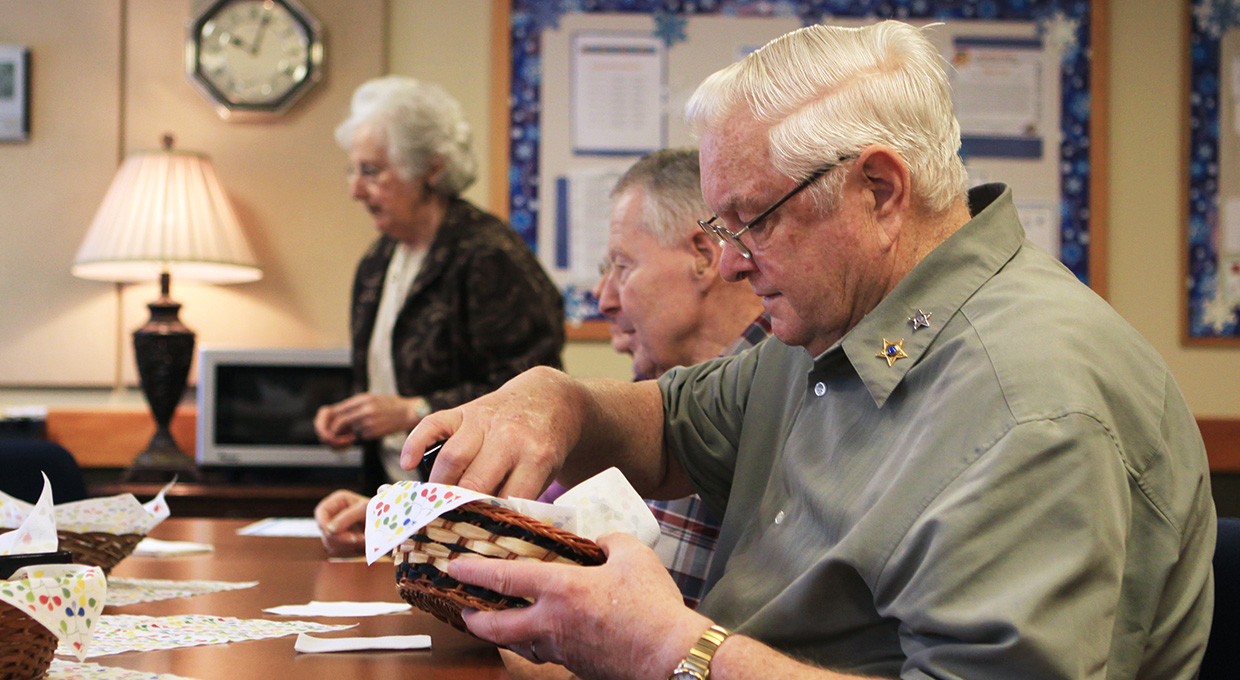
pixel 779 517
pixel 820 389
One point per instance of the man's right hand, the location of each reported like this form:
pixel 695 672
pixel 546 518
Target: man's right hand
pixel 509 443
pixel 341 517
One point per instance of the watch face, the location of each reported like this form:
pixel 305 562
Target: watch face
pixel 685 675
pixel 254 54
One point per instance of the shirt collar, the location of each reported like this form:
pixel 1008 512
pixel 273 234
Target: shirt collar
pixel 937 287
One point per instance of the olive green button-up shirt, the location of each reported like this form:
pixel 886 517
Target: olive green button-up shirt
pixel 1025 495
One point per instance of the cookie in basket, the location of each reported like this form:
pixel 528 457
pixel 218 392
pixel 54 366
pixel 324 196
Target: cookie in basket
pixel 479 528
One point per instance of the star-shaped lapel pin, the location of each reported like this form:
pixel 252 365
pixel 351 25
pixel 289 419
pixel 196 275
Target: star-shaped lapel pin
pixel 892 351
pixel 920 319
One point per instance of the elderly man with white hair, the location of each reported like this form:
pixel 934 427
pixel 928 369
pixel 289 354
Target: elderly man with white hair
pixel 955 462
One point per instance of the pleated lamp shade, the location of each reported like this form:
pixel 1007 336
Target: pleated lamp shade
pixel 166 212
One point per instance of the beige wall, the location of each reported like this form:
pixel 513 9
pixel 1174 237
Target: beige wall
pixel 115 83
pixel 308 235
pixel 1147 121
pixel 462 29
pixel 1147 73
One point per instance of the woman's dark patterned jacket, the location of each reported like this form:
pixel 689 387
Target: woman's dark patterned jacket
pixel 480 311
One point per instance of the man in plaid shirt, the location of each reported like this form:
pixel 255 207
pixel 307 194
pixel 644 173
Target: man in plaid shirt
pixel 667 306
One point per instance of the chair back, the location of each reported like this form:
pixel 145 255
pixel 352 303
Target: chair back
pixel 1222 659
pixel 23 459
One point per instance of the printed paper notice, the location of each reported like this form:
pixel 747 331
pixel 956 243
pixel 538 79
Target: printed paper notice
pixel 1041 223
pixel 617 93
pixel 997 87
pixel 589 209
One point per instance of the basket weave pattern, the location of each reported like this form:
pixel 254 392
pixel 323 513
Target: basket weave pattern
pixel 96 548
pixel 26 647
pixel 479 528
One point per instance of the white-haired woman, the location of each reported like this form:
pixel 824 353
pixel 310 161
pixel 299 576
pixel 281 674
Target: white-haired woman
pixel 449 302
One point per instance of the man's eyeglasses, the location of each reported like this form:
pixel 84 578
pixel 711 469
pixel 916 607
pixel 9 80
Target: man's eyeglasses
pixel 727 237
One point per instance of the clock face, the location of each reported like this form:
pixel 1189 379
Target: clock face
pixel 254 55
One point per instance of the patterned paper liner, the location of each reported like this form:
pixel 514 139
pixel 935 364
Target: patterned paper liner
pixel 127 591
pixel 602 504
pixel 121 514
pixel 64 598
pixel 127 633
pixel 73 670
pixel 36 526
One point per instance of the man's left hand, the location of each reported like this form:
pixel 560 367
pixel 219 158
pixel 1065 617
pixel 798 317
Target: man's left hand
pixel 624 619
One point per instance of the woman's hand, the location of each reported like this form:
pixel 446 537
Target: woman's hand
pixel 341 517
pixel 366 415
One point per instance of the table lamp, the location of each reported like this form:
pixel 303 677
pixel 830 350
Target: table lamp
pixel 165 213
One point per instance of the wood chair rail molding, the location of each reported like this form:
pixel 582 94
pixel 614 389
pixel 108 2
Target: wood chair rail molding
pixel 112 437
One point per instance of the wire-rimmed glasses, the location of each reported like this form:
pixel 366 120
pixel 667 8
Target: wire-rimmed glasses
pixel 727 237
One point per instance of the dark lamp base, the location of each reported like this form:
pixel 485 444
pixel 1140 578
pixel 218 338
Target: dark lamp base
pixel 161 460
pixel 163 348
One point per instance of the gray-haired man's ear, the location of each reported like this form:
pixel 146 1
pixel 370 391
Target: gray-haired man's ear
pixel 706 253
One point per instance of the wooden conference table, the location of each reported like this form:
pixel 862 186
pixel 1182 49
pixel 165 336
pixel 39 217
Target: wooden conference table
pixel 290 571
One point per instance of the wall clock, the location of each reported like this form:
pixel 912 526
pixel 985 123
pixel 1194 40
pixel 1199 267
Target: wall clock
pixel 253 58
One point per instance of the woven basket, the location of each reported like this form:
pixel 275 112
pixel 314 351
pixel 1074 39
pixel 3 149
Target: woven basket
pixel 26 647
pixel 96 548
pixel 479 528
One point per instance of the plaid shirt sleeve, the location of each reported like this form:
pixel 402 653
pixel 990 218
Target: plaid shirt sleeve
pixel 687 543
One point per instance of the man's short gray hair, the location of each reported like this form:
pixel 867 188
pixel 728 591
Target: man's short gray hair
pixel 421 123
pixel 672 180
pixel 828 92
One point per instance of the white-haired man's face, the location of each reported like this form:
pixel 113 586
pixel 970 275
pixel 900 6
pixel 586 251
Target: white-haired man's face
pixel 650 294
pixel 817 274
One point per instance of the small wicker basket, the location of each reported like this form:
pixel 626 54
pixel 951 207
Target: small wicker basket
pixel 96 548
pixel 479 528
pixel 26 647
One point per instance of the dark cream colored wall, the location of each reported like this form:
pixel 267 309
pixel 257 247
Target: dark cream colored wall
pixel 287 179
pixel 115 83
pixel 1147 187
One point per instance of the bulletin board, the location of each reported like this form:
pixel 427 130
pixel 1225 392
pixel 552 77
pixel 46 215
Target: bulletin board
pixel 1027 76
pixel 1212 228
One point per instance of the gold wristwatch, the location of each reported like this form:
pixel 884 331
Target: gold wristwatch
pixel 696 666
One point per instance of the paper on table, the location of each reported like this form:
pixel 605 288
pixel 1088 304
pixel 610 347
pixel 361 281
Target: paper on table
pixel 311 645
pixel 315 608
pixel 293 527
pixel 153 547
pixel 603 504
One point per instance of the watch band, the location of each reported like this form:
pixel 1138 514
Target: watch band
pixel 696 665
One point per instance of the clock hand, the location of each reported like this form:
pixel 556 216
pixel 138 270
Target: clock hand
pixel 262 30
